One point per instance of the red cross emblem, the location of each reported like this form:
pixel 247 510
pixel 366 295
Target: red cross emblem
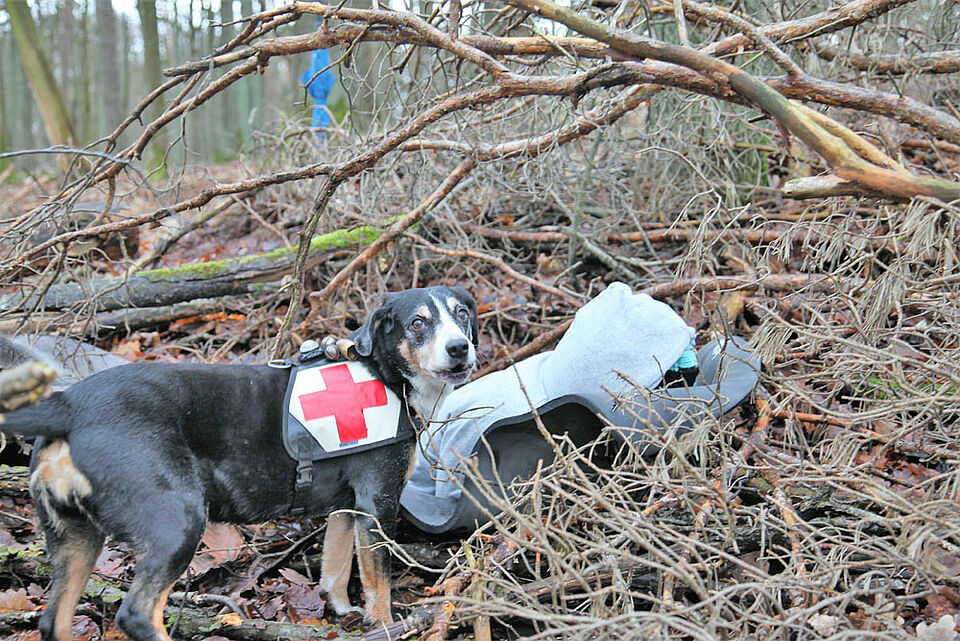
pixel 344 400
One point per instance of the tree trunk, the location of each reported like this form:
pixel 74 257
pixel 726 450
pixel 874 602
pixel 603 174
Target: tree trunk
pixel 86 74
pixel 56 120
pixel 250 85
pixel 125 72
pixel 213 125
pixel 67 40
pixel 152 73
pixel 108 71
pixel 4 115
pixel 26 108
pixel 175 32
pixel 234 130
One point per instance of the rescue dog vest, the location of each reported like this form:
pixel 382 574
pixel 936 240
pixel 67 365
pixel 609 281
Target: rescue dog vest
pixel 337 408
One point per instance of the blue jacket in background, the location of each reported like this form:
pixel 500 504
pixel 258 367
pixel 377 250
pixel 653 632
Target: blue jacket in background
pixel 320 88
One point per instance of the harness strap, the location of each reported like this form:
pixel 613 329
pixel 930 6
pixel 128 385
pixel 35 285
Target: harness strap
pixel 301 490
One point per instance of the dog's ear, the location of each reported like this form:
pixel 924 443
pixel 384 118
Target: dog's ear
pixel 464 297
pixel 381 317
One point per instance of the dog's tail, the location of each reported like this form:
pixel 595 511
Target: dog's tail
pixel 50 417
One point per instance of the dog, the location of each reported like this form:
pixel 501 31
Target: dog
pixel 149 453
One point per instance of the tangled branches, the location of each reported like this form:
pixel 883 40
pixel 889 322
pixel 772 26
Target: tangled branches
pixel 535 154
pixel 510 69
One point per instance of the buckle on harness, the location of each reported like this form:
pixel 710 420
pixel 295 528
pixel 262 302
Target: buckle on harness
pixel 304 474
pixel 301 488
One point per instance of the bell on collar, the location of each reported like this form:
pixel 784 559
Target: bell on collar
pixel 309 350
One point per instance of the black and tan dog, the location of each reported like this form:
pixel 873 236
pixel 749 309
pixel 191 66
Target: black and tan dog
pixel 149 453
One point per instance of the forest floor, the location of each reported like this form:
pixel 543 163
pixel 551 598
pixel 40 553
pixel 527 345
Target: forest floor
pixel 826 506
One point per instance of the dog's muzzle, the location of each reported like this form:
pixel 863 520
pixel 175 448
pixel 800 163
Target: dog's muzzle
pixel 462 360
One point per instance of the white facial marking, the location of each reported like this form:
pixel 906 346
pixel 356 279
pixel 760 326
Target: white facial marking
pixel 447 331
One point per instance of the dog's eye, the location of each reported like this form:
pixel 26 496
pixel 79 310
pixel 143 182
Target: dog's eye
pixel 417 323
pixel 462 315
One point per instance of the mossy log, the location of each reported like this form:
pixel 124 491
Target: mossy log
pixel 209 279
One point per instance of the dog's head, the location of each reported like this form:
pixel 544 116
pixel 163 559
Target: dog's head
pixel 430 332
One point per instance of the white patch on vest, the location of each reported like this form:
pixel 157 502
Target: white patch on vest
pixel 381 421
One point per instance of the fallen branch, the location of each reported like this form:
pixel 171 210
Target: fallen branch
pixel 25 384
pixel 848 14
pixel 191 623
pixel 533 347
pixel 675 235
pixel 822 187
pixel 771 282
pixel 207 279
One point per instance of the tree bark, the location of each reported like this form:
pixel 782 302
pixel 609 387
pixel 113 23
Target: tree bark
pixel 190 622
pixel 86 76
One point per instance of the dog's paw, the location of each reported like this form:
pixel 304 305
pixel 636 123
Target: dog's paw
pixel 336 349
pixel 352 620
pixel 335 609
pixel 370 623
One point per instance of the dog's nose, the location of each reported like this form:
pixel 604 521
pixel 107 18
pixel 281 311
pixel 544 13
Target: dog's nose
pixel 458 348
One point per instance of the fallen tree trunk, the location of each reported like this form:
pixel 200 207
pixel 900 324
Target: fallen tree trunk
pixel 152 316
pixel 127 319
pixel 210 279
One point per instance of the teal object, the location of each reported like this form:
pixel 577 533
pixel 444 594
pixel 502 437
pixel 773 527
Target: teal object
pixel 687 360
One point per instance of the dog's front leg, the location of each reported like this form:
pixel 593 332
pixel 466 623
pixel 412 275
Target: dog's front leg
pixel 373 557
pixel 337 560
